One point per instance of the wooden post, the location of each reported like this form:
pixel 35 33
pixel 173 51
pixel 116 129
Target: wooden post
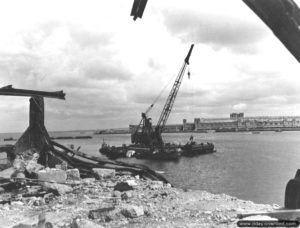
pixel 36 136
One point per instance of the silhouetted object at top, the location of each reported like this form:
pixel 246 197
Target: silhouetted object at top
pixel 138 8
pixel 10 91
pixel 283 18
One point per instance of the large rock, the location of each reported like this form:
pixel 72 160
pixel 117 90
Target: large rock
pixel 19 164
pixel 33 221
pixel 127 195
pixel 156 185
pixel 101 213
pixel 84 223
pixel 122 187
pixel 104 173
pixel 73 174
pixel 3 159
pixel 55 175
pixel 20 175
pixel 132 211
pixel 60 188
pixel 7 173
pixel 88 181
pixel 33 167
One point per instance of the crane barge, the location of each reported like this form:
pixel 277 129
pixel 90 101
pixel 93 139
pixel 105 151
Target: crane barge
pixel 147 142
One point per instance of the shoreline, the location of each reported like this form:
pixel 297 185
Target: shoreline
pixel 127 201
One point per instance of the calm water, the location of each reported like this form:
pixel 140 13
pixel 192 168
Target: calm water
pixel 249 166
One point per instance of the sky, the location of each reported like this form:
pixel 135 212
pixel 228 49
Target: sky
pixel 112 68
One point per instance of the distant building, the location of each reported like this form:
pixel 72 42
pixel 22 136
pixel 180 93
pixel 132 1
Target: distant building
pixel 187 126
pixel 236 116
pixel 236 122
pixel 215 124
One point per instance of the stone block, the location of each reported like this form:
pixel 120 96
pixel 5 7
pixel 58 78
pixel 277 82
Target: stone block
pixel 3 158
pixel 84 223
pixel 104 173
pixel 132 211
pixel 20 175
pixel 60 188
pixel 127 195
pixel 19 164
pixel 33 167
pixel 100 213
pixel 7 173
pixel 56 175
pixel 73 174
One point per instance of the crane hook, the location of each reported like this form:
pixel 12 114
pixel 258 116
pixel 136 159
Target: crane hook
pixel 189 73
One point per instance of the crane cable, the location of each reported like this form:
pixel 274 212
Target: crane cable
pixel 160 94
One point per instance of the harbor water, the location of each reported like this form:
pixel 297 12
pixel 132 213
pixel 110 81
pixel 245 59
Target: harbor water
pixel 249 166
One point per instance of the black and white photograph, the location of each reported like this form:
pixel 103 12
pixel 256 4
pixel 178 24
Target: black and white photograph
pixel 148 113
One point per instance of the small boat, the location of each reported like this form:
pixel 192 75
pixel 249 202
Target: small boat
pixel 113 152
pixel 193 149
pixel 255 132
pixel 278 130
pixel 8 139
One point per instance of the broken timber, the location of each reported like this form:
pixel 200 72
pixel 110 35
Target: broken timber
pixel 51 153
pixel 10 91
pixel 75 160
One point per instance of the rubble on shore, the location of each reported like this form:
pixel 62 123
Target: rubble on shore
pixel 60 198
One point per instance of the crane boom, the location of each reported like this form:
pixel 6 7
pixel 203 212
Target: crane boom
pixel 172 96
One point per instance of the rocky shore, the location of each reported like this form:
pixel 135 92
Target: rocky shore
pixel 113 199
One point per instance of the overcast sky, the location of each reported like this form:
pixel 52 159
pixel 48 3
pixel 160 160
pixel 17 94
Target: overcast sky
pixel 112 68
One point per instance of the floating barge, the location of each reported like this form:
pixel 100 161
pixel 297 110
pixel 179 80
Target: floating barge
pixel 168 152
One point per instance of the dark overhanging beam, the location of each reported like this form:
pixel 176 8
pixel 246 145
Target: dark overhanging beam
pixel 283 18
pixel 138 8
pixel 10 91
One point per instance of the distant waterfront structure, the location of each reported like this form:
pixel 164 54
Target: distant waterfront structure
pixel 235 122
pixel 238 122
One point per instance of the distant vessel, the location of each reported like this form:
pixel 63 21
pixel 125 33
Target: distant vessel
pixel 255 132
pixel 8 139
pixel 193 148
pixel 278 130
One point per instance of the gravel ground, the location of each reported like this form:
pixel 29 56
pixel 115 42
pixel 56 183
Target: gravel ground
pixel 138 203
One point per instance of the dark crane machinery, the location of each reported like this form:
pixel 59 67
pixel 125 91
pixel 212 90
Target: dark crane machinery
pixel 144 133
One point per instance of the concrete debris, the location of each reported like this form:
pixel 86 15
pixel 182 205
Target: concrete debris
pixel 19 165
pixel 33 167
pixel 59 188
pixel 109 200
pixel 127 195
pixel 73 174
pixel 101 213
pixel 156 184
pixel 84 223
pixel 88 180
pixel 20 175
pixel 132 211
pixel 131 183
pixel 104 173
pixel 55 175
pixel 7 173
